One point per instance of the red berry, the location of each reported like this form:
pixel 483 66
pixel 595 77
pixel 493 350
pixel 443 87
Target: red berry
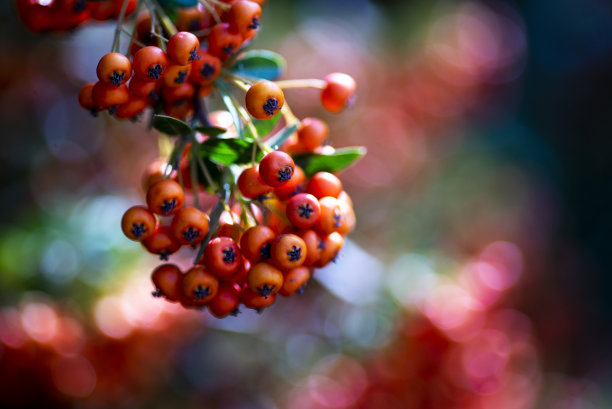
pixel 276 168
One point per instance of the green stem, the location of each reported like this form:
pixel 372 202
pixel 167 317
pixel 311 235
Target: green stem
pixel 163 18
pixel 134 24
pixel 175 155
pixel 215 215
pixel 192 168
pixel 207 175
pixel 211 10
pixel 132 39
pixel 222 5
pixel 115 46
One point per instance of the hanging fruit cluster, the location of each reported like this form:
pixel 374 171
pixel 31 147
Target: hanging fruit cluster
pixel 62 15
pixel 250 188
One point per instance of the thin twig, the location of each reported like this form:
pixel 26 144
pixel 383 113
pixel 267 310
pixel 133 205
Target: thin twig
pixel 211 10
pixel 115 46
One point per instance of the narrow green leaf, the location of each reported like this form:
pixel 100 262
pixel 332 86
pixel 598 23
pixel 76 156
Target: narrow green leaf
pixel 227 151
pixel 281 136
pixel 210 130
pixel 170 125
pixel 332 162
pixel 262 64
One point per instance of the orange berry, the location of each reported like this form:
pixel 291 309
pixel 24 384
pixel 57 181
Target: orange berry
pixel 312 133
pixel 199 286
pixel 114 69
pixel 167 280
pixel 292 187
pixel 223 42
pixel 150 63
pixel 205 68
pixel 176 75
pixel 339 92
pixel 331 216
pixel 264 279
pixel 254 300
pixel 323 184
pixel 222 256
pixel 162 243
pixel 189 225
pixel 294 282
pixel 313 246
pixel 264 99
pixel 331 245
pixel 165 197
pixel 303 210
pixel 256 243
pixel 250 184
pixel 86 96
pixel 276 168
pixel 134 106
pixel 182 48
pixel 244 16
pixel 138 223
pixel 347 218
pixel 226 301
pixel 107 95
pixel 288 251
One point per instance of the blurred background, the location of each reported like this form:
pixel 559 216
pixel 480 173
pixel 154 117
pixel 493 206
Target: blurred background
pixel 479 271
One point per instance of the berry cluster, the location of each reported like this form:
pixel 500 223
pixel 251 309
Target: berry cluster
pixel 292 226
pixel 280 209
pixel 62 15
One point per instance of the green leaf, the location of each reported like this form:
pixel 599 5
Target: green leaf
pixel 210 130
pixel 331 162
pixel 281 136
pixel 262 126
pixel 262 64
pixel 170 125
pixel 227 151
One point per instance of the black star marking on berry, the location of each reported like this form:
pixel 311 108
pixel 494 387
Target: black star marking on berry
pixel 157 293
pixel 193 55
pixel 254 23
pixel 337 219
pixel 138 230
pixel 116 78
pixel 180 77
pixel 178 102
pixel 321 245
pixel 191 234
pixel 285 174
pixel 271 106
pixel 228 49
pixel 265 291
pixel 200 292
pixel 155 71
pixel 207 71
pixel 79 6
pixel 306 210
pixel 295 253
pixel 264 251
pixel 164 255
pixel 168 206
pixel 229 255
